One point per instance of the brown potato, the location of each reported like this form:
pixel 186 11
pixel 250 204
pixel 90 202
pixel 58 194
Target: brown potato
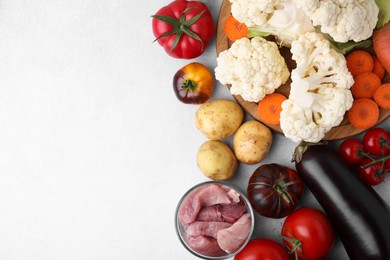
pixel 219 118
pixel 252 142
pixel 216 160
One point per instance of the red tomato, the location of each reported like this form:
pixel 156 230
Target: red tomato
pixel 184 28
pixel 376 141
pixel 310 231
pixel 351 151
pixel 274 190
pixel 263 249
pixel 373 174
pixel 387 164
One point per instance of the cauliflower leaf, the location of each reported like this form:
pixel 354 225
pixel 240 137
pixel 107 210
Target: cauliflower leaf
pixel 384 12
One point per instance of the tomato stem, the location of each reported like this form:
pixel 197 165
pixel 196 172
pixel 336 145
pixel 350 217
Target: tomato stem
pixel 180 26
pixel 280 186
pixel 374 161
pixel 189 85
pixel 296 244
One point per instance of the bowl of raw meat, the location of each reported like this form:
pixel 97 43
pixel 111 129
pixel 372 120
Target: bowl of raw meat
pixel 214 220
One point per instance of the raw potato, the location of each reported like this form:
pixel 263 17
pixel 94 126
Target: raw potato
pixel 252 142
pixel 219 118
pixel 216 160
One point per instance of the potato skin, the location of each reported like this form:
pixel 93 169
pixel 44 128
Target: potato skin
pixel 219 118
pixel 216 160
pixel 251 142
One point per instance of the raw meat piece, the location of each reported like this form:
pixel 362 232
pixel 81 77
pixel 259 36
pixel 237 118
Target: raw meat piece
pixel 205 196
pixel 200 228
pixel 233 195
pixel 231 239
pixel 205 245
pixel 226 212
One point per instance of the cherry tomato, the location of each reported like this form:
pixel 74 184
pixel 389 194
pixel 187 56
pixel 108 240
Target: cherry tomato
pixel 274 190
pixel 387 165
pixel 373 174
pixel 262 249
pixel 351 151
pixel 310 231
pixel 193 84
pixel 184 28
pixel 376 141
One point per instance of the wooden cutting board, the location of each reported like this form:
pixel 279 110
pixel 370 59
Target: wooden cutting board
pixel 344 130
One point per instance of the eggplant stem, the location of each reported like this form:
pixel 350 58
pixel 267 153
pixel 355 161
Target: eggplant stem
pixel 301 149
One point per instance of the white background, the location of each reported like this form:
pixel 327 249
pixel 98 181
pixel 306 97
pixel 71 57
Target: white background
pixel 95 149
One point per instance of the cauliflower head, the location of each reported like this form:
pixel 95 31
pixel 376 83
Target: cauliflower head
pixel 343 20
pixel 320 90
pixel 253 67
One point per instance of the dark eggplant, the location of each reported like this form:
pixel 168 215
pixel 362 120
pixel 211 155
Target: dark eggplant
pixel 359 215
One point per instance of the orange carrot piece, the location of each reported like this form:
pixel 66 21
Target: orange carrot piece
pixel 269 108
pixel 365 85
pixel 378 68
pixel 381 45
pixel 364 113
pixel 382 96
pixel 359 62
pixel 234 29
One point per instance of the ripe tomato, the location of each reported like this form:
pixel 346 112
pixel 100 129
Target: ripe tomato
pixel 193 84
pixel 351 151
pixel 310 232
pixel 183 28
pixel 274 190
pixel 376 141
pixel 261 249
pixel 373 174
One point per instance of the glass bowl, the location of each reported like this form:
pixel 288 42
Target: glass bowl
pixel 214 220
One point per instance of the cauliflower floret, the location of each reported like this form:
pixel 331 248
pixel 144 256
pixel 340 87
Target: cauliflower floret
pixel 253 12
pixel 343 20
pixel 320 90
pixel 310 124
pixel 281 18
pixel 253 67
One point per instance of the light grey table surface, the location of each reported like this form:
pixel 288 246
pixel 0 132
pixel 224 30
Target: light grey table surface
pixel 95 149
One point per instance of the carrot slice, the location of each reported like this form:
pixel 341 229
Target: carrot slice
pixel 382 96
pixel 359 62
pixel 234 29
pixel 269 108
pixel 364 113
pixel 365 85
pixel 378 68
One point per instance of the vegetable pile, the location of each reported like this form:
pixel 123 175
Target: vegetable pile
pixel 341 54
pixel 323 87
pixel 368 91
pixel 356 211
